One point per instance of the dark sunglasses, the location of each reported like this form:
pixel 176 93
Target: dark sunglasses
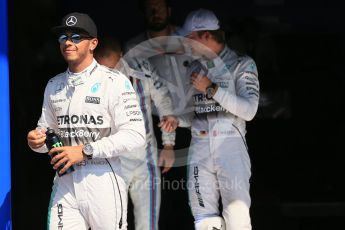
pixel 75 38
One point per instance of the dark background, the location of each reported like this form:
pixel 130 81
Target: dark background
pixel 299 46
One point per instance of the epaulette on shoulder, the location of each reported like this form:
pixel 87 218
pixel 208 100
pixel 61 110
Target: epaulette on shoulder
pixel 108 72
pixel 57 77
pixel 104 69
pixel 116 72
pixel 237 52
pixel 241 54
pixel 112 74
pixel 243 57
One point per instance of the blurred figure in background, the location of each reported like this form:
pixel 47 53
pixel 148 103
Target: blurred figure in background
pixel 144 179
pixel 161 44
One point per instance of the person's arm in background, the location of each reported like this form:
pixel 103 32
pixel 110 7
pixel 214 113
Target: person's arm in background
pixel 243 103
pixel 242 97
pixel 168 122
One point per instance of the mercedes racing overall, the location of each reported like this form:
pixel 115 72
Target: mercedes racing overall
pixel 99 107
pixel 219 164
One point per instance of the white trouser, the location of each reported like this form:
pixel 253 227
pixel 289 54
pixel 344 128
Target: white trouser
pixel 145 189
pixel 220 167
pixel 91 201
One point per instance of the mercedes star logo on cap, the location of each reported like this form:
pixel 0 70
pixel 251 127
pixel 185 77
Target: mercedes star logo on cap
pixel 71 21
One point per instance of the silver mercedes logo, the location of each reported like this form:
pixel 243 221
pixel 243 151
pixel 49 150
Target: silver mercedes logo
pixel 71 21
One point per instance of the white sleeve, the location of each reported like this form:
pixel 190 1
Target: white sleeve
pixel 160 96
pixel 162 100
pixel 128 122
pixel 185 121
pixel 244 102
pixel 47 118
pixel 168 138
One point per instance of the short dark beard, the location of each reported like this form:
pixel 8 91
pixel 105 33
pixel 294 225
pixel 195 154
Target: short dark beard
pixel 156 27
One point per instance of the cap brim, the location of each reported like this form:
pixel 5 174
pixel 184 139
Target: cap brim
pixel 182 32
pixel 61 29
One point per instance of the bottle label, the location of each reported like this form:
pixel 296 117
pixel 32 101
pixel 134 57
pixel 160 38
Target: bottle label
pixel 57 144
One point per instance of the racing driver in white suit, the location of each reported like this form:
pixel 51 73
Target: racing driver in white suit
pixel 97 114
pixel 226 96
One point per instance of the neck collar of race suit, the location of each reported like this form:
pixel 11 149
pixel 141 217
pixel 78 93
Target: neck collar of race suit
pixel 75 79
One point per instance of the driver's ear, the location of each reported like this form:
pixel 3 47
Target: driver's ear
pixel 94 43
pixel 206 35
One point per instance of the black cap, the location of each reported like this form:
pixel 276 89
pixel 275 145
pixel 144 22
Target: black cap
pixel 77 22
